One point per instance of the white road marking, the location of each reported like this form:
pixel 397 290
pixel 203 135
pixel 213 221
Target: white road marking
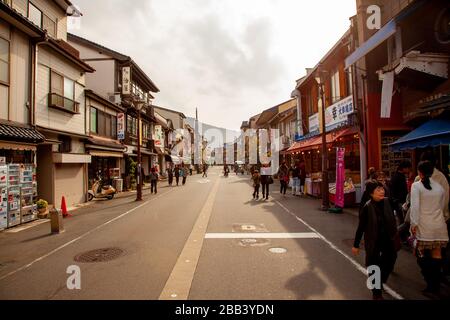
pixel 179 283
pixel 262 235
pixel 359 267
pixel 81 237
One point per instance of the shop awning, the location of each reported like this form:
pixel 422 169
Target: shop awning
pixel 106 154
pixel 17 146
pixel 315 142
pixel 382 35
pixel 433 133
pixel 21 134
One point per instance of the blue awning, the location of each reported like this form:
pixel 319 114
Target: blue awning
pixel 433 133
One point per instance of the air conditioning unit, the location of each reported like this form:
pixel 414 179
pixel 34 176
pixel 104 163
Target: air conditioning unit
pixel 114 98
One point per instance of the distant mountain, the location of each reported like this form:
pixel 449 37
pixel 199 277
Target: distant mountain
pixel 216 136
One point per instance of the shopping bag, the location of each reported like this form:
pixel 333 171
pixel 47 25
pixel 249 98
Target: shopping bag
pixel 291 182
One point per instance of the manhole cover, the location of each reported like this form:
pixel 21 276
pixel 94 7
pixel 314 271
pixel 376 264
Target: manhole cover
pixel 277 250
pixel 99 255
pixel 349 243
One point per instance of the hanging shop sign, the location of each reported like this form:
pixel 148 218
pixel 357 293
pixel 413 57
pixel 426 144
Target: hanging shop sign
pixel 337 114
pixel 340 177
pixel 314 122
pixel 158 136
pixel 121 126
pixel 126 80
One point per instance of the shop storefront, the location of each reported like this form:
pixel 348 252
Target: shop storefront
pixel 18 184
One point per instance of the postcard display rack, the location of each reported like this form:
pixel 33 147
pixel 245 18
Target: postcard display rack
pixel 28 193
pixel 3 197
pixel 18 190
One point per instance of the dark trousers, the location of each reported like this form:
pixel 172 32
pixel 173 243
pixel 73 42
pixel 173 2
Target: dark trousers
pixel 177 179
pixel 256 191
pixel 283 186
pixel 205 174
pixel 384 256
pixel 431 270
pixel 170 180
pixel 265 190
pixel 184 181
pixel 153 186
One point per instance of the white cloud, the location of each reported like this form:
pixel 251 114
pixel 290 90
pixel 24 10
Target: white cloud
pixel 229 58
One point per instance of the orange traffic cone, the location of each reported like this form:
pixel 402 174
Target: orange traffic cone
pixel 64 208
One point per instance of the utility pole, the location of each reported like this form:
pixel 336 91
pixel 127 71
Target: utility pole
pixel 325 191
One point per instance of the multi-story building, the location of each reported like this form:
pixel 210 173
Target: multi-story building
pixel 107 83
pixel 45 81
pixel 403 72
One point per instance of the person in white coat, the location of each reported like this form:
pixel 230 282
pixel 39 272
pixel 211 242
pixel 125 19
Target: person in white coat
pixel 428 224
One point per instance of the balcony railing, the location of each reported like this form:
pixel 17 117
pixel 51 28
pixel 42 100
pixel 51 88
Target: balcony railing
pixel 62 103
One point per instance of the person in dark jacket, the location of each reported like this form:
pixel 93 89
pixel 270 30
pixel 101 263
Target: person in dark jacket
pixel 377 224
pixel 153 181
pixel 170 175
pixel 399 188
pixel 177 174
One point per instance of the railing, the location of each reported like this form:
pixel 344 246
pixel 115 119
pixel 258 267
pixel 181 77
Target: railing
pixel 62 103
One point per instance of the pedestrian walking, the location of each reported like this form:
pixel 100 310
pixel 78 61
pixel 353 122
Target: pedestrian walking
pixel 183 174
pixel 302 177
pixel 177 174
pixel 153 181
pixel 283 175
pixel 256 177
pixel 428 225
pixel 266 180
pixel 399 188
pixel 377 224
pixel 295 173
pixel 170 175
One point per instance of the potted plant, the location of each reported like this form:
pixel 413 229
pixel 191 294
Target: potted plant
pixel 42 206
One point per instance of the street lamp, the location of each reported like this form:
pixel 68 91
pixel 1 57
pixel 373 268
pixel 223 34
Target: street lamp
pixel 138 105
pixel 325 191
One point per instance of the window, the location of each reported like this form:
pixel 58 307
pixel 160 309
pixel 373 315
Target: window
pixel 49 25
pixel 66 145
pixel 4 78
pixel 101 122
pixel 132 126
pixel 62 93
pixel 335 89
pixel 34 14
pixel 113 127
pixel 94 120
pixel 349 79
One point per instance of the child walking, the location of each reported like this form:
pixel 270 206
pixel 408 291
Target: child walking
pixel 256 177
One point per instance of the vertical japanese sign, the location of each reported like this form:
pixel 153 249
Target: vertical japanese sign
pixel 340 177
pixel 159 138
pixel 120 126
pixel 126 80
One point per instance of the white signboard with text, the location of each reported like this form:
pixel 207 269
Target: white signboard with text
pixel 120 126
pixel 126 80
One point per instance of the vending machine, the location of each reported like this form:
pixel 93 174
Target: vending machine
pixel 3 197
pixel 28 210
pixel 13 195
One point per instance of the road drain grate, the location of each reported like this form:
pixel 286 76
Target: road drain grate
pixel 99 255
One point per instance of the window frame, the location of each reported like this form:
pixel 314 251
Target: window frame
pixel 335 86
pixel 96 120
pixel 37 8
pixel 8 84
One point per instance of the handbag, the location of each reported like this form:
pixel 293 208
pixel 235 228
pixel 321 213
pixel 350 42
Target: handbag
pixel 270 180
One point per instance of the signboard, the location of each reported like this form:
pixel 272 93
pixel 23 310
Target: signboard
pixel 121 126
pixel 159 136
pixel 126 80
pixel 340 177
pixel 337 113
pixel 386 94
pixel 314 122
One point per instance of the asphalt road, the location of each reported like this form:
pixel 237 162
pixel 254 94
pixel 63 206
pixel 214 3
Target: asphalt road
pixel 206 240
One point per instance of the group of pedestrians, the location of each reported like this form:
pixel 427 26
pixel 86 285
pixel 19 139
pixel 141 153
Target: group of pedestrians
pixel 416 213
pixel 179 171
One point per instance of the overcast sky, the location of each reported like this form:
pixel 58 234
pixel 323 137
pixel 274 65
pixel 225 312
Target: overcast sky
pixel 230 58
